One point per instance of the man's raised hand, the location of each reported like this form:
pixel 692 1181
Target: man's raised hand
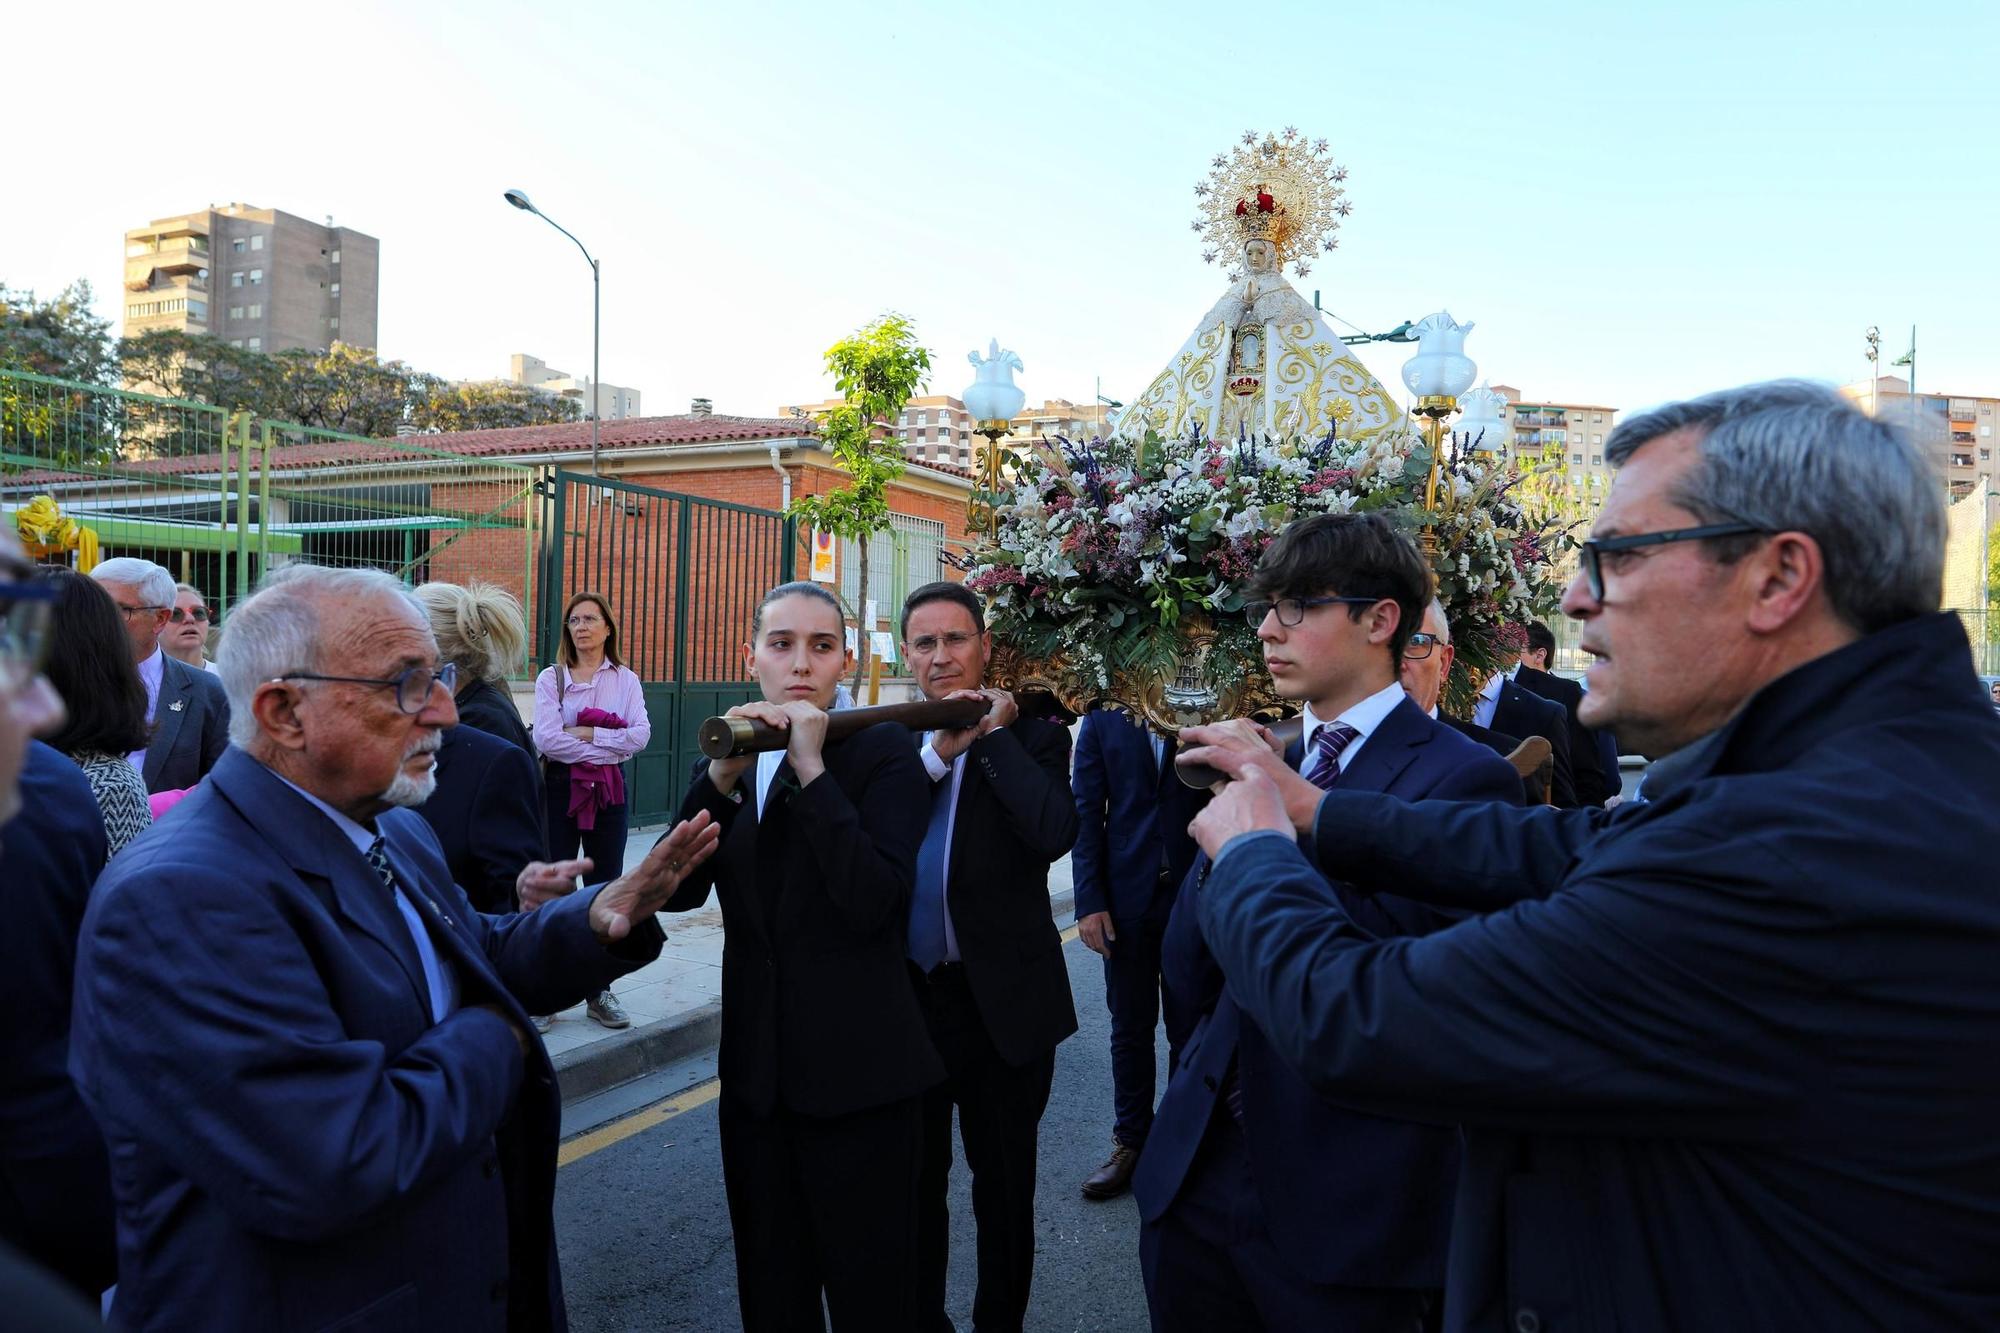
pixel 644 890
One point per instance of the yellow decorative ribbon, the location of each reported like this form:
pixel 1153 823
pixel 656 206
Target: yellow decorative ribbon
pixel 45 531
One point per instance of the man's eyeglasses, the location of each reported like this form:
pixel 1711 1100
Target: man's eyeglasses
pixel 129 611
pixel 1292 610
pixel 413 687
pixel 1419 647
pixel 25 607
pixel 954 641
pixel 1590 556
pixel 199 615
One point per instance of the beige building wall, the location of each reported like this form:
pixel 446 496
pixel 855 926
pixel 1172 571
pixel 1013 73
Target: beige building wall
pixel 1567 435
pixel 1956 431
pixel 258 278
pixel 937 428
pixel 614 402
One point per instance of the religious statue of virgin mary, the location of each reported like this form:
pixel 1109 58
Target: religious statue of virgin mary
pixel 1263 361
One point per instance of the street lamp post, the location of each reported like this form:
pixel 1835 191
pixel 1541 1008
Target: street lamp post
pixel 519 199
pixel 1437 375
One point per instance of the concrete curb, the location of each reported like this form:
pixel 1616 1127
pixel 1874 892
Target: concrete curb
pixel 586 1071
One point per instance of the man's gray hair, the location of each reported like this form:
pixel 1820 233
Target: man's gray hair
pixel 1444 621
pixel 276 631
pixel 1792 455
pixel 153 584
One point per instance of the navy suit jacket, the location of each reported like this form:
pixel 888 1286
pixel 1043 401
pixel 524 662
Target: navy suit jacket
pixel 1725 1058
pixel 294 1141
pixel 487 814
pixel 50 855
pixel 1347 1197
pixel 1522 712
pixel 1132 818
pixel 190 727
pixel 1594 783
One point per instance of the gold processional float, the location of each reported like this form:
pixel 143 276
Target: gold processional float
pixel 1110 567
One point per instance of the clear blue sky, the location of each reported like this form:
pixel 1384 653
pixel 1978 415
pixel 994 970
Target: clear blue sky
pixel 1632 206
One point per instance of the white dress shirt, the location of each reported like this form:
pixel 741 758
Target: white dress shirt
pixel 149 676
pixel 438 976
pixel 1364 716
pixel 939 771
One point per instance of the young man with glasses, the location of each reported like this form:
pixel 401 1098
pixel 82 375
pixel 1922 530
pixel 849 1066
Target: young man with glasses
pixel 1265 1206
pixel 186 705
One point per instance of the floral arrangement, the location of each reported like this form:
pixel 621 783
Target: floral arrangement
pixel 1103 552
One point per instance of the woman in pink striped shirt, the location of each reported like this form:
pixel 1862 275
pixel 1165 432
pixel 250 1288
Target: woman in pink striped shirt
pixel 590 717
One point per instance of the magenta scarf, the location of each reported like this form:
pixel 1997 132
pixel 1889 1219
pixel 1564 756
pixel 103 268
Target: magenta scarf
pixel 594 787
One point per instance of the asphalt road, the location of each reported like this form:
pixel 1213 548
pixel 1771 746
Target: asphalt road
pixel 644 1228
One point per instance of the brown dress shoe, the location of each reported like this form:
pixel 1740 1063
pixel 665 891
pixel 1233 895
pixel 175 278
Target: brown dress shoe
pixel 1115 1176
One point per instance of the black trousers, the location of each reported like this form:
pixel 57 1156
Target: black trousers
pixel 999 1120
pixel 1210 1267
pixel 823 1204
pixel 604 845
pixel 1135 997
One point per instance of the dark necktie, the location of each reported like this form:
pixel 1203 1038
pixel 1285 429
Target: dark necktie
pixel 927 943
pixel 1322 766
pixel 378 861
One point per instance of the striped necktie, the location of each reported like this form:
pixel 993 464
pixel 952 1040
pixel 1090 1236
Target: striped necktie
pixel 1323 767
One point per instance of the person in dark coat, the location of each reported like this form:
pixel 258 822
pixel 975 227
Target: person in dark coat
pixel 825 1056
pixel 486 813
pixel 185 704
pixel 310 1057
pixel 1427 666
pixel 1265 1206
pixel 1594 783
pixel 985 956
pixel 1132 851
pixel 1723 1057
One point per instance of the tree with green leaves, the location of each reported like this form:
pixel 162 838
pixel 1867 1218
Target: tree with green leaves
pixel 60 337
pixel 440 405
pixel 876 370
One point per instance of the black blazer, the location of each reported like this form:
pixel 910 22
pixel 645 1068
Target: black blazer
pixel 1500 743
pixel 489 707
pixel 487 814
pixel 190 727
pixel 1524 713
pixel 1593 787
pixel 1015 816
pixel 817 1008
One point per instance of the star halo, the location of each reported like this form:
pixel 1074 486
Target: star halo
pixel 1298 173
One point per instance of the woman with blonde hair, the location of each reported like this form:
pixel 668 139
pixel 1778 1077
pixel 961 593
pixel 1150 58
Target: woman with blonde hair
pixel 480 630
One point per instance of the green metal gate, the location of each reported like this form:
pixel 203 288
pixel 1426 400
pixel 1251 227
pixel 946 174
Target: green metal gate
pixel 683 575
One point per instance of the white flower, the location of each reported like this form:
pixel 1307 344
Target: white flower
pixel 1391 468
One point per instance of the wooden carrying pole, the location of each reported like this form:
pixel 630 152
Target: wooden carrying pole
pixel 729 737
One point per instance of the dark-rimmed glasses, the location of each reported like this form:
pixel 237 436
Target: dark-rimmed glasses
pixel 25 607
pixel 1292 610
pixel 1420 646
pixel 1591 554
pixel 129 611
pixel 413 687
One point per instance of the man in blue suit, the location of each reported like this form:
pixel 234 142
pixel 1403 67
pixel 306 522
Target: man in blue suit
pixel 1724 1057
pixel 310 1057
pixel 1132 850
pixel 1265 1205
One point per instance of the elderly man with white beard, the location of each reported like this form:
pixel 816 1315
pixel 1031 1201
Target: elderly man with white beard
pixel 311 1059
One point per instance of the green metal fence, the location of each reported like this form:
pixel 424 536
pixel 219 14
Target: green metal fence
pixel 219 497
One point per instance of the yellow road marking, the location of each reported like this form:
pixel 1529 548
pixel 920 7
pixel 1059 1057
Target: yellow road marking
pixel 701 1094
pixel 597 1140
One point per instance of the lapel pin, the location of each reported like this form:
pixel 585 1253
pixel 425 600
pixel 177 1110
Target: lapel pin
pixel 175 706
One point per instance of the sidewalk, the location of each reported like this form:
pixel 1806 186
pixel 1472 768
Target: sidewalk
pixel 675 1002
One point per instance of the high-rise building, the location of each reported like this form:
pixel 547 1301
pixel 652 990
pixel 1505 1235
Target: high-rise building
pixel 1955 430
pixel 256 277
pixel 613 402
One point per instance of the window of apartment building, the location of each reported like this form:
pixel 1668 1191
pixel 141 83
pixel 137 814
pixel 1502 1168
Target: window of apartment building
pixel 235 342
pixel 336 291
pixel 256 277
pixel 254 344
pixel 1597 460
pixel 236 312
pixel 237 245
pixel 923 418
pixel 334 257
pixel 1985 454
pixel 334 325
pixel 903 420
pixel 198 310
pixel 256 242
pixel 1598 419
pixel 236 278
pixel 1576 458
pixel 256 312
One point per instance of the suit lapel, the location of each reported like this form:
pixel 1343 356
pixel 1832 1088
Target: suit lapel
pixel 1391 748
pixel 176 691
